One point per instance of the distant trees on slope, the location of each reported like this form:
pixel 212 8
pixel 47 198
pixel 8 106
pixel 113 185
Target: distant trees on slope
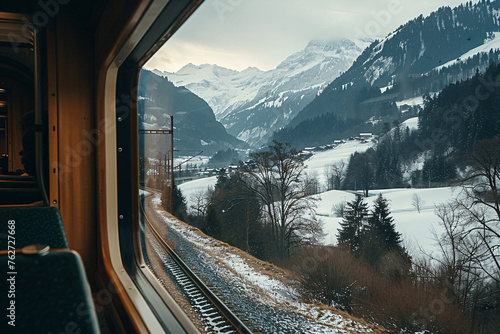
pixel 450 124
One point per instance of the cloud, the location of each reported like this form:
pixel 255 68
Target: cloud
pixel 262 33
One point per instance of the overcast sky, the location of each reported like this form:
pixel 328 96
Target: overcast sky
pixel 240 33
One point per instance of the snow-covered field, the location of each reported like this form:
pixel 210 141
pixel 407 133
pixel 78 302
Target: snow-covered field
pixel 411 123
pixel 316 164
pixel 192 188
pixel 416 228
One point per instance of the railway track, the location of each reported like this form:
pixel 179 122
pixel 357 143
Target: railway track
pixel 213 312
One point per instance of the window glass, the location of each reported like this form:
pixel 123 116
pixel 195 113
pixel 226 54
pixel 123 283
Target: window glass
pixel 328 166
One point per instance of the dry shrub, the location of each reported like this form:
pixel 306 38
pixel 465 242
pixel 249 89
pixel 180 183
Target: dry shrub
pixel 336 277
pixel 404 305
pixel 330 275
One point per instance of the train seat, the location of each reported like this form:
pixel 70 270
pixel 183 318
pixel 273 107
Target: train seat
pixel 46 293
pixel 32 225
pixel 18 182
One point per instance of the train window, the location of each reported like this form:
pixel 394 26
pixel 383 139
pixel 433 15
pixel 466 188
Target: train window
pixel 296 168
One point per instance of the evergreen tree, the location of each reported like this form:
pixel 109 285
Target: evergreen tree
pixel 382 225
pixel 179 203
pixel 222 179
pixel 438 169
pixel 380 244
pixel 360 171
pixel 179 208
pixel 354 224
pixel 233 215
pixel 212 225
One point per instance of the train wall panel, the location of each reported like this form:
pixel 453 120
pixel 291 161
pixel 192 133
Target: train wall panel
pixel 76 123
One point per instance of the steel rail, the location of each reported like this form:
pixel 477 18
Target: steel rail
pixel 236 324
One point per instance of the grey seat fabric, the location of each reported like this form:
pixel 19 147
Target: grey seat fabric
pixel 51 294
pixel 33 225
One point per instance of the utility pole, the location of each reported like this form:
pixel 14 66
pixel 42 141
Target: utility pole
pixel 172 164
pixel 169 166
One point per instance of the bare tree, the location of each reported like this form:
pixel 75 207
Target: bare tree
pixel 417 202
pixel 338 209
pixel 200 201
pixel 330 180
pixel 457 268
pixel 360 171
pixel 335 174
pixel 480 198
pixel 312 183
pixel 275 177
pixel 460 253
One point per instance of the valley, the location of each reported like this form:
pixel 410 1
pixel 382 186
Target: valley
pixel 381 154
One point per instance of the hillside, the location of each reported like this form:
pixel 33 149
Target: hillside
pixel 420 57
pixel 269 296
pixel 251 104
pixel 195 126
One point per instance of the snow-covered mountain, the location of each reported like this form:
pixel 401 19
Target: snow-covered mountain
pixel 251 104
pixel 196 128
pixel 420 57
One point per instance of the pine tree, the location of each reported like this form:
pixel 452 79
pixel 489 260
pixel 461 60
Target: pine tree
pixel 179 203
pixel 353 224
pixel 382 224
pixel 212 224
pixel 380 238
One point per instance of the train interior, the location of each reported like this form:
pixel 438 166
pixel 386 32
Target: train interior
pixel 60 245
pixel 18 184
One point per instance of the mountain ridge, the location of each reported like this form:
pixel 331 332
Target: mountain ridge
pixel 253 103
pixel 408 63
pixel 195 126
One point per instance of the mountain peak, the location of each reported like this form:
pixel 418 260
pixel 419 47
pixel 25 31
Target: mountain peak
pixel 315 44
pixel 190 67
pixel 253 103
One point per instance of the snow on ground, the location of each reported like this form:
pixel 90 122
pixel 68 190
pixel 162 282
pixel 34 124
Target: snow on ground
pixel 317 163
pixel 198 161
pixel 412 123
pixel 191 189
pixel 489 44
pixel 414 101
pixel 416 228
pixel 261 281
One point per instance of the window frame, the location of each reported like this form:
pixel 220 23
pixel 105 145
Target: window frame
pixel 154 304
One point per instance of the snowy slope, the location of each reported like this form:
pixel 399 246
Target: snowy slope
pixel 218 86
pixel 416 228
pixel 492 43
pixel 317 163
pixel 192 188
pixel 414 101
pixel 263 285
pixel 252 103
pixel 406 60
pixel 411 123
